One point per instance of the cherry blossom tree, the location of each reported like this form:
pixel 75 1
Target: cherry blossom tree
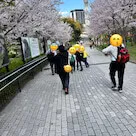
pixel 28 17
pixel 116 16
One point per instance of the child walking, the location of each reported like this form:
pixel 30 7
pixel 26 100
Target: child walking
pixel 85 55
pixel 72 62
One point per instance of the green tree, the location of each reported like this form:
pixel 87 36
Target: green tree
pixel 6 3
pixel 76 26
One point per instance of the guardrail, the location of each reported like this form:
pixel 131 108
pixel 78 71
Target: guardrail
pixel 14 80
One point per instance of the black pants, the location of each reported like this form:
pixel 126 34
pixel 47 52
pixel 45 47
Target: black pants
pixel 64 79
pixel 85 61
pixel 114 66
pixel 53 67
pixel 121 68
pixel 72 64
pixel 79 63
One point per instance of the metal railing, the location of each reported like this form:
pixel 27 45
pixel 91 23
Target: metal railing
pixel 15 78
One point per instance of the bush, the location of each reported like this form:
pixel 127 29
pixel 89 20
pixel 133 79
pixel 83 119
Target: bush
pixel 72 42
pixel 101 47
pixel 14 64
pixel 13 50
pixel 132 51
pixel 12 54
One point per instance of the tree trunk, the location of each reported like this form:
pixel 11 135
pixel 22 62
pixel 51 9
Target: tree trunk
pixel 45 44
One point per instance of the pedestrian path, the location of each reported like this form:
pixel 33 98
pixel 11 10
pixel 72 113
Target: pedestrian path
pixel 90 109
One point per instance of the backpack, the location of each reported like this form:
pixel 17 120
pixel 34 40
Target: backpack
pixel 72 59
pixel 123 55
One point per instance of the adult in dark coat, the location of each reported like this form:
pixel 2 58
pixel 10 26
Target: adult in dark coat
pixel 60 60
pixel 50 55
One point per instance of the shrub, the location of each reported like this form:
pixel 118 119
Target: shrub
pixel 101 47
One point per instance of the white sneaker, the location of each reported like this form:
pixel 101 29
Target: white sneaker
pixel 120 90
pixel 114 88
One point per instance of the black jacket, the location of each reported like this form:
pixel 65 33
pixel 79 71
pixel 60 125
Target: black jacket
pixel 60 60
pixel 79 56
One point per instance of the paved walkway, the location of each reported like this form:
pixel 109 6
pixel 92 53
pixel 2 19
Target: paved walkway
pixel 90 109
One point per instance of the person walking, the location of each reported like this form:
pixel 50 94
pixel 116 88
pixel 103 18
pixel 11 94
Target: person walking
pixel 115 66
pixel 60 60
pixel 72 59
pixel 50 54
pixel 85 55
pixel 79 58
pixel 92 44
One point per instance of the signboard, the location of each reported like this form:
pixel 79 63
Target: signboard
pixel 30 47
pixel 34 47
pixel 3 52
pixel 26 47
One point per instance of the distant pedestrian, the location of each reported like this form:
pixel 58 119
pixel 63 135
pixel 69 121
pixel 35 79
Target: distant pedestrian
pixel 81 43
pixel 85 55
pixel 79 58
pixel 50 54
pixel 115 66
pixel 92 44
pixel 60 60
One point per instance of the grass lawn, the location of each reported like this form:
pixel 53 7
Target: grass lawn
pixel 132 52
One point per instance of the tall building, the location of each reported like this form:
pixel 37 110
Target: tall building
pixel 78 15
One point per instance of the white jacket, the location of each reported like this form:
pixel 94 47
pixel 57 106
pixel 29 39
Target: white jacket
pixel 112 51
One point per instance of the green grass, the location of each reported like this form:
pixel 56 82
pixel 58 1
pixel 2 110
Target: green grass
pixel 132 51
pixel 72 42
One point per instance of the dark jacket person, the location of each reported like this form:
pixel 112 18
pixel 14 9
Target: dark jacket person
pixel 60 60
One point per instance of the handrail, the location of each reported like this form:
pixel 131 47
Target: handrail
pixel 25 66
pixel 42 60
